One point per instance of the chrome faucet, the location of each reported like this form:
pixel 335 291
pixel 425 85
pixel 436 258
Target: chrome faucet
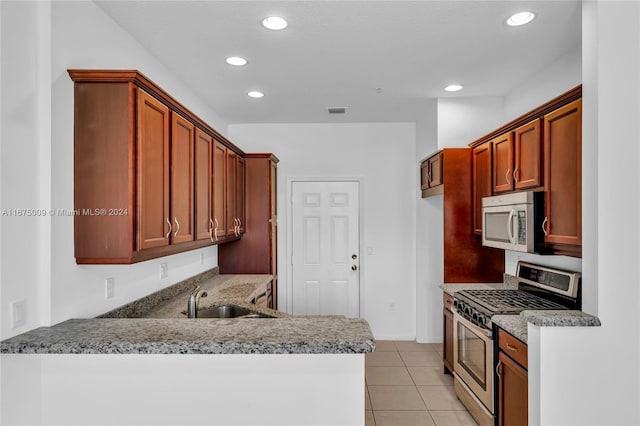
pixel 194 298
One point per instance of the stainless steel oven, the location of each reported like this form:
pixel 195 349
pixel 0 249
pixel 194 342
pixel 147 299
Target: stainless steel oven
pixel 473 368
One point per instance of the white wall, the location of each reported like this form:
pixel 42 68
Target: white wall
pixel 463 120
pixel 429 236
pixel 40 41
pixel 378 154
pixel 591 376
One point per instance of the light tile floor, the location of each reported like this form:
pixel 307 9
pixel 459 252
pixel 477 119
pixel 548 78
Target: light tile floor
pixel 406 386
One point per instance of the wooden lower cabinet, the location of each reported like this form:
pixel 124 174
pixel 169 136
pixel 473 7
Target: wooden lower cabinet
pixel 447 333
pixel 513 383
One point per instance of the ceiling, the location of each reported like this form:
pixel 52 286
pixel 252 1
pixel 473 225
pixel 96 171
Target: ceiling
pixel 380 59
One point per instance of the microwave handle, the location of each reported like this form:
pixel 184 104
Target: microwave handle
pixel 512 238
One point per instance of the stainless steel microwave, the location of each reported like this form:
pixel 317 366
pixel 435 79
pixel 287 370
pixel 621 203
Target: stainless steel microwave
pixel 508 221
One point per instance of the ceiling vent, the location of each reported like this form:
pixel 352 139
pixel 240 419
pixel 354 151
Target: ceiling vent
pixel 337 110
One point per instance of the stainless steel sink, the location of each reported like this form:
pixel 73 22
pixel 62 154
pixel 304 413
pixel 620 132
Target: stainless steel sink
pixel 228 311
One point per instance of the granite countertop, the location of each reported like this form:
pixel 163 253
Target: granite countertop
pixel 157 324
pixel 516 325
pixel 291 335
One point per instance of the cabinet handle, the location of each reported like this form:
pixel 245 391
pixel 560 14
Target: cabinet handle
pixel 211 229
pixel 215 229
pixel 498 367
pixel 544 228
pixel 515 179
pixel 239 225
pixel 506 176
pixel 177 227
pixel 170 228
pixel 512 348
pixel 429 177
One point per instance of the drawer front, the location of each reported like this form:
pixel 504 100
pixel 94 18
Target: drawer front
pixel 512 347
pixel 447 301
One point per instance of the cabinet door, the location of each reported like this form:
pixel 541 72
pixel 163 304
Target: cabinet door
pixel 447 347
pixel 424 175
pixel 273 233
pixel 435 170
pixel 513 406
pixel 182 178
pixel 232 217
pixel 153 172
pixel 563 175
pixel 481 182
pixel 219 190
pixel 240 194
pixel 502 147
pixel 204 183
pixel 527 166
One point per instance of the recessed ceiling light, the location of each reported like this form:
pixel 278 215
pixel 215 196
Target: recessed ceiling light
pixel 236 61
pixel 521 18
pixel 274 23
pixel 453 88
pixel 255 94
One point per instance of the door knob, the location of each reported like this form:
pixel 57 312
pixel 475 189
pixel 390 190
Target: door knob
pixel 354 267
pixel 354 256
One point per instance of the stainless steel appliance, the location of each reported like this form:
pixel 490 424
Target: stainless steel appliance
pixel 508 221
pixel 539 287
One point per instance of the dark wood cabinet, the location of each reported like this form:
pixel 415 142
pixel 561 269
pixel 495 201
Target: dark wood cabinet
pixel 517 159
pixel 447 333
pixel 431 178
pixel 219 191
pixel 465 259
pixel 527 159
pixel 502 151
pixel 256 251
pixel 562 223
pixel 513 383
pixel 482 172
pixel 544 154
pixel 231 199
pixel 145 171
pixel 204 224
pixel 153 207
pixel 182 179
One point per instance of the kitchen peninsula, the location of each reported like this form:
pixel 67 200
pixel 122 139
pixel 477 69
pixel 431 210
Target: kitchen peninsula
pixel 115 370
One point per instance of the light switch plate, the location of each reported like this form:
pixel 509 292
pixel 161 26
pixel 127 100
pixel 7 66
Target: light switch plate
pixel 18 310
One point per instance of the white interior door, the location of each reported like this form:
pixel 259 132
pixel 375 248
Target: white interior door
pixel 326 257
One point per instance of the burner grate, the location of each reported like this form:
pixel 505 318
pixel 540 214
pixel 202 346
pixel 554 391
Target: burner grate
pixel 504 301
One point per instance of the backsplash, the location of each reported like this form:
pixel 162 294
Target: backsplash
pixel 138 308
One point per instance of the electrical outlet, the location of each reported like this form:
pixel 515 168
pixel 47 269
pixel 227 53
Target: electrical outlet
pixel 18 311
pixel 201 258
pixel 164 270
pixel 109 288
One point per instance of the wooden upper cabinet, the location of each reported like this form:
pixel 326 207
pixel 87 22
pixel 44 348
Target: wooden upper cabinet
pixel 502 148
pixel 527 162
pixel 431 175
pixel 204 186
pixel 482 172
pixel 146 181
pixel 563 175
pixel 182 179
pixel 240 195
pixel 220 190
pixel 232 177
pixel 154 223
